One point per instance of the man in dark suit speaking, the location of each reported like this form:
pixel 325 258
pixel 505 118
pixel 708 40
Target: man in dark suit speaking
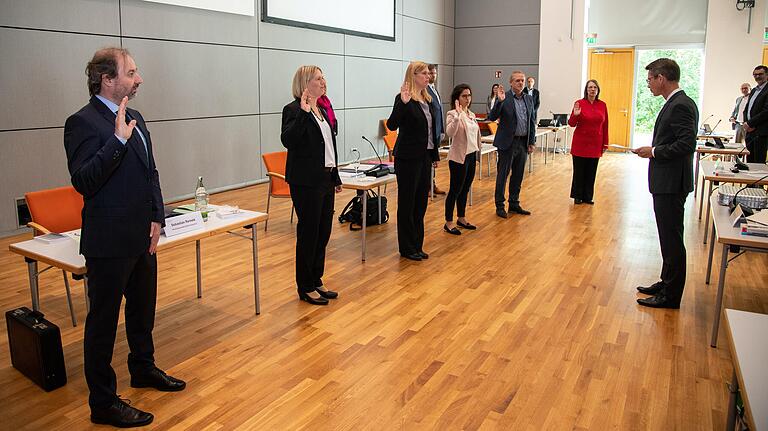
pixel 109 154
pixel 670 178
pixel 515 139
pixel 756 117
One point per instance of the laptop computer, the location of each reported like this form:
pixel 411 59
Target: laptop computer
pixel 545 122
pixel 707 128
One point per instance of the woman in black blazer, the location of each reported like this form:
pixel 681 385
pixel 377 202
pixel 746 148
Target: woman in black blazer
pixel 415 151
pixel 312 174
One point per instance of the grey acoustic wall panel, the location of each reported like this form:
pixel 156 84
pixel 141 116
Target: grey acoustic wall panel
pixel 363 122
pixel 371 82
pixel 449 47
pixel 277 70
pixel 497 45
pixel 375 48
pixel 422 41
pixel 299 39
pixel 43 79
pixel 427 10
pixel 163 21
pixel 85 16
pixel 31 160
pixel 225 151
pixel 270 134
pixel 481 78
pixel 486 13
pixel 450 12
pixel 186 80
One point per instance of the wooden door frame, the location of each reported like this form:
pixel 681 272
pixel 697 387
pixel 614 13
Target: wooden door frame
pixel 633 52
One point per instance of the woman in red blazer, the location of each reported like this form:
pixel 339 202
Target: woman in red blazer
pixel 590 140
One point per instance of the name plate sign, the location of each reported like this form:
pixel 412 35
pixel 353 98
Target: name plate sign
pixel 183 223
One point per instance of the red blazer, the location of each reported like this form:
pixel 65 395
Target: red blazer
pixel 590 138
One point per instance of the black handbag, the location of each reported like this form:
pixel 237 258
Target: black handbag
pixel 35 345
pixel 353 211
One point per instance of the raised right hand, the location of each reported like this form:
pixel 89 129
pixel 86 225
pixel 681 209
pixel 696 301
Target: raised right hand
pixel 500 94
pixel 305 101
pixel 405 92
pixel 457 107
pixel 123 129
pixel 576 109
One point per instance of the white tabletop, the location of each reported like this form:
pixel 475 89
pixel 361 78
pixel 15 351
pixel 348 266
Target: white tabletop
pixel 737 149
pixel 366 182
pixel 749 350
pixel 724 174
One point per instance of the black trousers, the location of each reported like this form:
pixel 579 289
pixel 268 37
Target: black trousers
pixel 583 182
pixel 757 147
pixel 314 209
pixel 462 175
pixel 669 210
pixel 511 163
pixel 109 279
pixel 413 182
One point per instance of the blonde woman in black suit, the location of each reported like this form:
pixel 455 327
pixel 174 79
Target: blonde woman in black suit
pixel 312 174
pixel 415 152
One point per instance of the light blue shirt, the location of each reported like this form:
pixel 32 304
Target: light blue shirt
pixel 112 107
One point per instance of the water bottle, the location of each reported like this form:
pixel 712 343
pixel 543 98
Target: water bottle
pixel 201 199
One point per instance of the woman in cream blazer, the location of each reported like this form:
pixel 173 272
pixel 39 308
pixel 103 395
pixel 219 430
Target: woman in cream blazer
pixel 461 126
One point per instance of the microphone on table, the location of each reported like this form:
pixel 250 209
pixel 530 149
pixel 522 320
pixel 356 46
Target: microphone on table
pixel 379 170
pixel 738 165
pixel 713 129
pixel 705 120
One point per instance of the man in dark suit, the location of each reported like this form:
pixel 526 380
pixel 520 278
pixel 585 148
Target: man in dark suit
pixel 670 178
pixel 109 155
pixel 534 93
pixel 437 105
pixel 756 117
pixel 515 139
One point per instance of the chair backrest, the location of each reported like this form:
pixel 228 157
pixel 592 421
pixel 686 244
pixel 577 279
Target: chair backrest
pixel 493 126
pixel 275 162
pixel 390 137
pixel 58 210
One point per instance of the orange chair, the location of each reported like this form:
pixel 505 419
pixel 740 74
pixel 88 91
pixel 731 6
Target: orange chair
pixel 57 210
pixel 390 137
pixel 278 188
pixel 493 126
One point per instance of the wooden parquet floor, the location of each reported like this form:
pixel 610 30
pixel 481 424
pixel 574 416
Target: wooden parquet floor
pixel 528 323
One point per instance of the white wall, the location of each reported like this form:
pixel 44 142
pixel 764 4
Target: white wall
pixel 730 55
pixel 561 60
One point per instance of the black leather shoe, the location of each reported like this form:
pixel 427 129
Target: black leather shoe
pixel 469 226
pixel 412 256
pixel 659 301
pixel 159 380
pixel 652 289
pixel 519 210
pixel 501 213
pixel 422 254
pixel 452 231
pixel 589 202
pixel 120 414
pixel 577 201
pixel 304 296
pixel 327 294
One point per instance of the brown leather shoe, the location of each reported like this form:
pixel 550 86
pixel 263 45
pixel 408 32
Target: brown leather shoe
pixel 438 191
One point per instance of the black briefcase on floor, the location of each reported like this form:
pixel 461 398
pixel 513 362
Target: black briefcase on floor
pixel 35 345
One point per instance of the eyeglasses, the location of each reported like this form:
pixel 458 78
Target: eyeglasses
pixel 756 74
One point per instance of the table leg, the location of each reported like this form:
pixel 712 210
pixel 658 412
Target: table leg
pixel 546 147
pixel 69 298
pixel 711 252
pixel 87 298
pixel 706 217
pixel 365 219
pixel 33 289
pixel 199 275
pixel 378 192
pixel 701 202
pixel 719 300
pixel 431 193
pixel 255 269
pixel 733 390
pixel 696 174
pixel 489 165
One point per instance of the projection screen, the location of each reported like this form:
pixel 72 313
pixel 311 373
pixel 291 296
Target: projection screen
pixel 370 18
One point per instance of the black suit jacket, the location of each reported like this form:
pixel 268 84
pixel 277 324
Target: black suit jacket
pixel 412 137
pixel 302 136
pixel 670 170
pixel 758 116
pixel 119 183
pixel 438 110
pixel 535 95
pixel 505 112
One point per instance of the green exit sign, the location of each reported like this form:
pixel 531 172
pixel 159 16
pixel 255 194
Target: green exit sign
pixel 592 38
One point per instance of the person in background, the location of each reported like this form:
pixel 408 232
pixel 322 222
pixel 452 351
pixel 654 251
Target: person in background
pixel 437 105
pixel 756 117
pixel 515 139
pixel 534 93
pixel 737 116
pixel 312 174
pixel 461 126
pixel 110 160
pixel 415 153
pixel 590 140
pixel 670 179
pixel 491 100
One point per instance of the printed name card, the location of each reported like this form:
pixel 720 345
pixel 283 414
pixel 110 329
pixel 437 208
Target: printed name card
pixel 183 223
